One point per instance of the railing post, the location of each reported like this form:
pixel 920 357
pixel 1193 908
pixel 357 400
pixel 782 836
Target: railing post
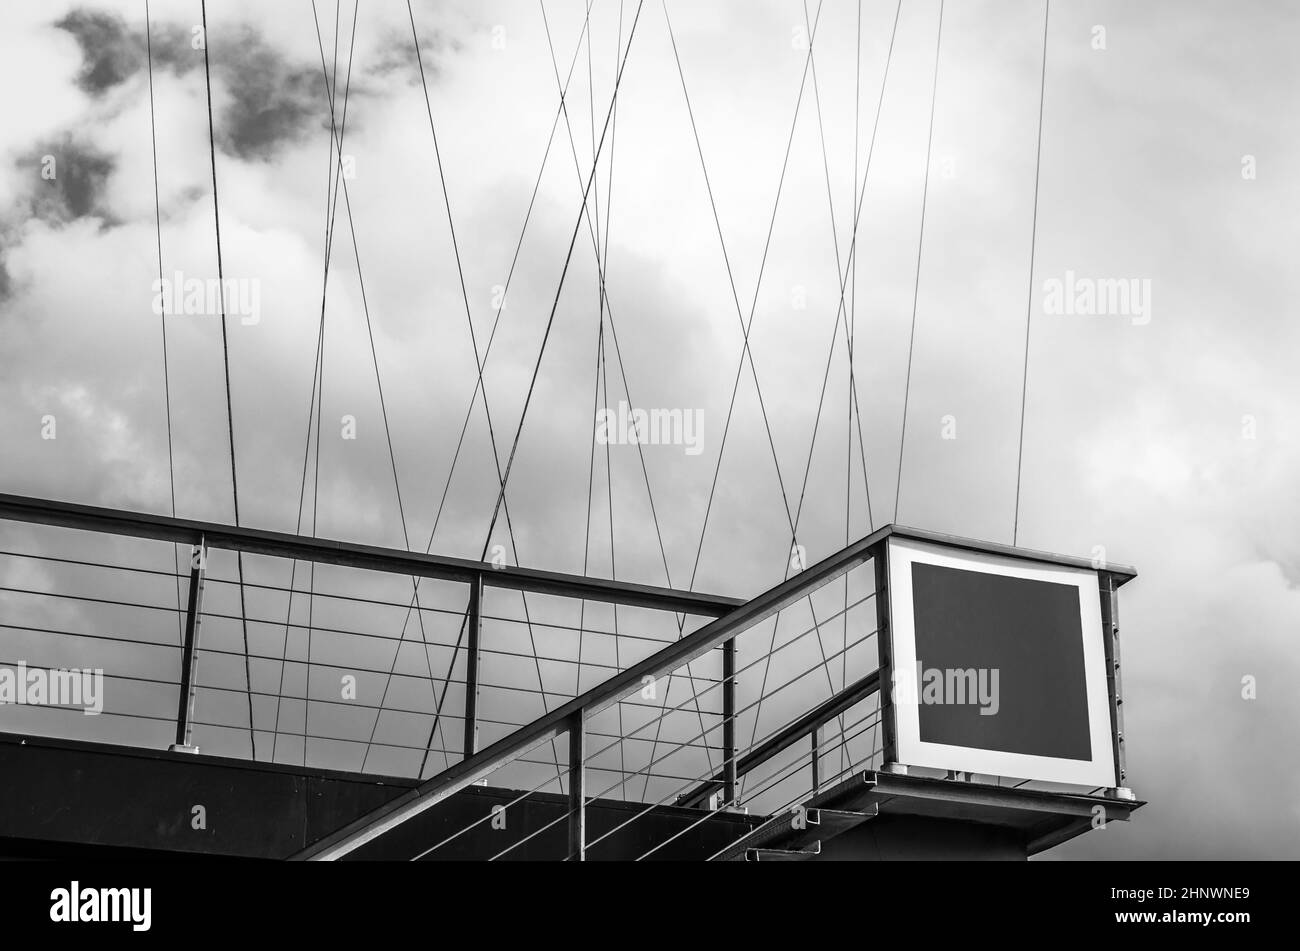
pixel 577 789
pixel 885 642
pixel 729 721
pixel 1110 637
pixel 816 736
pixel 471 664
pixel 190 651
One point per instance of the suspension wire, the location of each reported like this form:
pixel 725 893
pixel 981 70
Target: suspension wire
pixel 162 312
pixel 478 362
pixel 745 326
pixel 840 315
pixel 554 306
pixel 564 272
pixel 843 274
pixel 601 268
pixel 920 242
pixel 853 318
pixel 591 480
pixel 613 333
pixel 331 92
pixel 347 201
pixel 225 354
pixel 317 369
pixel 1033 244
pixel 316 401
pixel 555 122
pixel 600 340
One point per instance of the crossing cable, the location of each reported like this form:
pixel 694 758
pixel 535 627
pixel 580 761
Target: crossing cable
pixel 556 303
pixel 162 310
pixel 853 323
pixel 842 273
pixel 613 334
pixel 840 310
pixel 486 353
pixel 336 142
pixel 602 265
pixel 347 202
pixel 920 242
pixel 745 326
pixel 601 254
pixel 336 175
pixel 225 354
pixel 316 401
pixel 564 272
pixel 478 362
pixel 1033 244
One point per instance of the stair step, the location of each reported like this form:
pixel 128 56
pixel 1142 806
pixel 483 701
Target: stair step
pixel 790 831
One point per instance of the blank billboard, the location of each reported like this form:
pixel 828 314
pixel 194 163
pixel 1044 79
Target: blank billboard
pixel 999 666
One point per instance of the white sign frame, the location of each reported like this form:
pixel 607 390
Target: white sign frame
pixel 910 750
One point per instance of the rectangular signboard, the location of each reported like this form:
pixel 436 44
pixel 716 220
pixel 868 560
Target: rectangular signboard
pixel 999 665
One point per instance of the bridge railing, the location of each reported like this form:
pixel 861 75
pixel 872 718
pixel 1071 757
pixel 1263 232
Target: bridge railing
pixel 292 649
pixel 813 734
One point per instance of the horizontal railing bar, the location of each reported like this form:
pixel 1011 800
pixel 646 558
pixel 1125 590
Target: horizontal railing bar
pixel 355 555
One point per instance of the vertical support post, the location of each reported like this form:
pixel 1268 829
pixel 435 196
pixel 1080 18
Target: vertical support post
pixel 577 789
pixel 190 649
pixel 885 642
pixel 729 721
pixel 816 737
pixel 471 664
pixel 1110 638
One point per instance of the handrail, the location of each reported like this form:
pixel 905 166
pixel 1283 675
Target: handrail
pixel 354 555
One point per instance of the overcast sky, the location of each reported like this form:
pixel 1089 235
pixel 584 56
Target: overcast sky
pixel 1166 436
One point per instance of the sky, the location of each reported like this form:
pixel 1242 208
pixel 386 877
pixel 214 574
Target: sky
pixel 1161 436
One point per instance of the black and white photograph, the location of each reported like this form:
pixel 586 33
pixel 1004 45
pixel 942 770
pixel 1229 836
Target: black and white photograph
pixel 649 432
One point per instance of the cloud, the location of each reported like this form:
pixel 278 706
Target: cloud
pixel 110 52
pixel 78 185
pixel 270 102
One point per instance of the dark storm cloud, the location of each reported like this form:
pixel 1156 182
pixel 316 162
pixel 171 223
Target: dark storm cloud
pixel 272 102
pixel 76 185
pixel 111 52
